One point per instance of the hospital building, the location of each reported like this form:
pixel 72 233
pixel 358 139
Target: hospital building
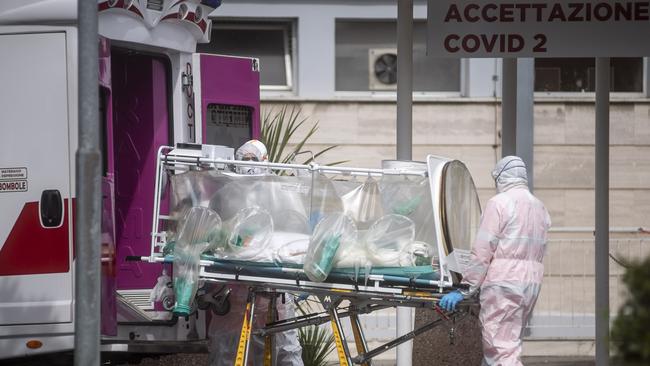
pixel 335 59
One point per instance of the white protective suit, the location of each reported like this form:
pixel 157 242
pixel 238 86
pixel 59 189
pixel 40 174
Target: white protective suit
pixel 507 262
pixel 224 330
pixel 252 150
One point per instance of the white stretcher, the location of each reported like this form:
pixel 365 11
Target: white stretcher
pixel 451 209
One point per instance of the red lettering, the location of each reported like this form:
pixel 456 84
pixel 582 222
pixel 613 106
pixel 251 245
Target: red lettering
pixel 541 42
pixel 641 11
pixel 522 11
pixel 576 7
pixel 489 43
pixel 453 13
pixel 515 43
pixel 484 13
pixel 623 11
pixel 557 13
pixel 507 13
pixel 598 14
pixel 448 46
pixel 471 18
pixel 538 10
pixel 475 43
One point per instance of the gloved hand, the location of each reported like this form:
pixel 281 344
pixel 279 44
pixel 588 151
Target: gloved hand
pixel 449 301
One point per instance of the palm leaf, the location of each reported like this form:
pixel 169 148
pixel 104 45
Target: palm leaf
pixel 317 342
pixel 279 128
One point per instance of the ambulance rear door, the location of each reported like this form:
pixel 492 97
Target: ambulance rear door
pixel 35 174
pixel 226 99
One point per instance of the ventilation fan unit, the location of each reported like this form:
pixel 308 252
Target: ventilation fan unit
pixel 382 69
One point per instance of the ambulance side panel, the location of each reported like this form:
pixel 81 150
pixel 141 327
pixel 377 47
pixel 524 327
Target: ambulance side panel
pixel 36 205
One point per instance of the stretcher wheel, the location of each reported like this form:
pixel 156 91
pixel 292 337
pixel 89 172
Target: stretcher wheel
pixel 168 303
pixel 221 306
pixel 202 303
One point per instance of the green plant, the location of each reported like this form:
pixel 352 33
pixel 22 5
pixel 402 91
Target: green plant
pixel 317 342
pixel 631 330
pixel 279 128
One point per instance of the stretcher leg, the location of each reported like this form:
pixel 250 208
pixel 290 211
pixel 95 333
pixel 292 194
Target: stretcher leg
pixel 269 338
pixel 339 339
pixel 245 335
pixel 361 358
pixel 359 338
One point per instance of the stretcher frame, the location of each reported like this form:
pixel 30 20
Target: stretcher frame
pixel 371 295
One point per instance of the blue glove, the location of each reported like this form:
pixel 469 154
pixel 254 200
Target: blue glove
pixel 449 301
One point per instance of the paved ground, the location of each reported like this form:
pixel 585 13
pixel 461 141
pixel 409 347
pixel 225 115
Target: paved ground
pixel 196 360
pixel 202 359
pixel 558 361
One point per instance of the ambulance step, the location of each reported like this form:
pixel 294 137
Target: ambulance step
pixel 131 306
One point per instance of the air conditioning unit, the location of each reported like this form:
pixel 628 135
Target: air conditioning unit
pixel 382 69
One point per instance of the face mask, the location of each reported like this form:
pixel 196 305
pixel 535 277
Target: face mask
pixel 249 170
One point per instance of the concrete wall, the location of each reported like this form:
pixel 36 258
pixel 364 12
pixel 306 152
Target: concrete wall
pixel 469 130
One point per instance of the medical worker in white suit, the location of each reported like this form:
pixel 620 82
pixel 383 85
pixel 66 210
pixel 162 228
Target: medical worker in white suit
pixel 506 263
pixel 224 330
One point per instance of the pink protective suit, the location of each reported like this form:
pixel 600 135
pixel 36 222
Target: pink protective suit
pixel 506 262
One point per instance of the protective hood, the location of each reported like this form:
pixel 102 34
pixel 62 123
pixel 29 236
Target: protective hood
pixel 252 150
pixel 510 172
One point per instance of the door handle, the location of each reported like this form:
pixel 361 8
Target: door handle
pixel 51 207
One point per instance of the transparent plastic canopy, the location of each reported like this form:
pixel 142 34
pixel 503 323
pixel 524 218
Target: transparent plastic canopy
pixel 460 206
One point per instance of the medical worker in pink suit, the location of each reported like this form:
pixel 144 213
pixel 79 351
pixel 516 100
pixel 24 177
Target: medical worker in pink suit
pixel 506 263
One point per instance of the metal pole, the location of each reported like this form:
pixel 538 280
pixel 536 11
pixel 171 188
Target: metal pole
pixel 602 211
pixel 517 110
pixel 509 107
pixel 404 79
pixel 88 193
pixel 404 138
pixel 525 116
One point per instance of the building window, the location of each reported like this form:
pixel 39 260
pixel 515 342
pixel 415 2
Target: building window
pixel 270 42
pixel 366 59
pixel 578 75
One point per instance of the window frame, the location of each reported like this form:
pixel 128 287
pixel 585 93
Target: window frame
pixel 392 94
pixel 288 28
pixel 644 93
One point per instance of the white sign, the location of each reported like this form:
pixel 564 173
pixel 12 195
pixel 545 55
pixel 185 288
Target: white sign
pixel 538 28
pixel 13 186
pixel 13 173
